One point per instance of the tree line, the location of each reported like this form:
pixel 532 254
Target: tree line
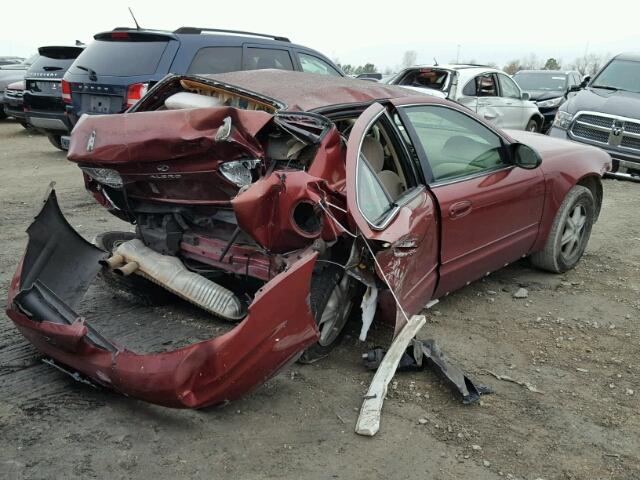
pixel 587 64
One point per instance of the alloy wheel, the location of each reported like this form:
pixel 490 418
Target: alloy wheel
pixel 336 312
pixel 573 232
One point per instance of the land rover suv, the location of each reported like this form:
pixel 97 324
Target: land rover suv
pixel 606 113
pixel 118 67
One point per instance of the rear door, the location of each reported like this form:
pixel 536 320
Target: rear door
pixel 481 95
pixel 403 230
pixel 259 57
pixel 490 210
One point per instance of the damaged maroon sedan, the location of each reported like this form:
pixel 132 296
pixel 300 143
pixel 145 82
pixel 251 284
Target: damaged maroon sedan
pixel 286 201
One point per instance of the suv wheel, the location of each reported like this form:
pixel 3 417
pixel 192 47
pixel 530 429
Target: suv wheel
pixel 56 141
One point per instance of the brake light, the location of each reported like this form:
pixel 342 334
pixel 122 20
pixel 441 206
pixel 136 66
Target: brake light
pixel 66 91
pixel 135 92
pixel 119 35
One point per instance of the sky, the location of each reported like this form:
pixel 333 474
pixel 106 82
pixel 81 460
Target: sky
pixel 356 31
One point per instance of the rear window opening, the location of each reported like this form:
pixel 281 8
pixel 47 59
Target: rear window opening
pixel 125 57
pixel 433 78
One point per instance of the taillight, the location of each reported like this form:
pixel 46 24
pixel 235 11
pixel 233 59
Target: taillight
pixel 66 91
pixel 135 92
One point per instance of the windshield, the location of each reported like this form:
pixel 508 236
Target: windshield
pixel 619 75
pixel 120 58
pixel 551 81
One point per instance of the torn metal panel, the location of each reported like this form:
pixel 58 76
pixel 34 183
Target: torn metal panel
pixel 277 328
pixel 176 134
pixel 281 211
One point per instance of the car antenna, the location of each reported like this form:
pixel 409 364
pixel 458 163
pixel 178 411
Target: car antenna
pixel 134 18
pixel 435 61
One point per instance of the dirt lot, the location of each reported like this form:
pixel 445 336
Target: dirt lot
pixel 575 338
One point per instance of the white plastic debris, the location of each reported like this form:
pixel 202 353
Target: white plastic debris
pixel 368 306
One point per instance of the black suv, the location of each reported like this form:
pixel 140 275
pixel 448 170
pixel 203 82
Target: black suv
pixel 116 70
pixel 42 100
pixel 606 113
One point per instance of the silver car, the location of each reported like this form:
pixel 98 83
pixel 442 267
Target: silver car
pixel 489 92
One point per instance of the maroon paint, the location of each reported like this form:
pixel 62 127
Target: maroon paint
pixel 309 92
pixel 265 210
pixel 278 326
pixel 499 225
pixel 240 259
pixel 409 255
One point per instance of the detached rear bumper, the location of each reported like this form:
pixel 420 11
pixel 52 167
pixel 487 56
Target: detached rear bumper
pixel 59 266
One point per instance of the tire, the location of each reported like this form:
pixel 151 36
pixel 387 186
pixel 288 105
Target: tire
pixel 56 141
pixel 25 125
pixel 532 126
pixel 3 114
pixel 569 233
pixel 332 299
pixel 135 285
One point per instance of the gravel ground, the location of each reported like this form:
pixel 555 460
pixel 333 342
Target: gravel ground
pixel 574 339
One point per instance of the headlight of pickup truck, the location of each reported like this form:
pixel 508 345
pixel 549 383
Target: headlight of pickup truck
pixel 239 172
pixel 553 102
pixel 105 176
pixel 562 120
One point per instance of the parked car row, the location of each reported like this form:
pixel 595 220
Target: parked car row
pixel 120 66
pixel 489 92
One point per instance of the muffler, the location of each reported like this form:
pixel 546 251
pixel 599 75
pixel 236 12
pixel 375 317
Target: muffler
pixel 169 272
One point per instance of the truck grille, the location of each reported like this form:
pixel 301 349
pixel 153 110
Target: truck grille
pixel 615 132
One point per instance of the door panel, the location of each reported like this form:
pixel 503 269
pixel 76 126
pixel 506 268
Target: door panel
pixel 499 226
pixel 490 210
pixel 512 105
pixel 406 245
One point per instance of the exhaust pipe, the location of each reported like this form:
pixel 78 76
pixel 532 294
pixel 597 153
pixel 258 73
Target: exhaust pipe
pixel 170 273
pixel 112 262
pixel 127 269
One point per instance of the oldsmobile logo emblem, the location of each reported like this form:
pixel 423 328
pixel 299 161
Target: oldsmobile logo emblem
pixel 91 143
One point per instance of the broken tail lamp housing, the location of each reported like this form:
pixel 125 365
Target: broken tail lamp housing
pixel 135 92
pixel 104 176
pixel 239 172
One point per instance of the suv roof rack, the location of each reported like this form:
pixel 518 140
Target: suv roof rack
pixel 198 31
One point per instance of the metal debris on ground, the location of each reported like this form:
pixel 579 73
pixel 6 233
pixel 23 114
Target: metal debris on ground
pixel 422 354
pixel 505 378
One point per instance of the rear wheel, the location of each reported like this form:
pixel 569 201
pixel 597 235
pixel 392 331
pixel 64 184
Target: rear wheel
pixel 570 232
pixel 532 126
pixel 56 141
pixel 25 125
pixel 332 299
pixel 135 285
pixel 3 114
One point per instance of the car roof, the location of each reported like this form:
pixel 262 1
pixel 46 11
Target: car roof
pixel 310 91
pixel 207 36
pixel 633 56
pixel 550 72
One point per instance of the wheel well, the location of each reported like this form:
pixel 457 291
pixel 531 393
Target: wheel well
pixel 594 184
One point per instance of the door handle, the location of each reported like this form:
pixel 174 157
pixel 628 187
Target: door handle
pixel 460 209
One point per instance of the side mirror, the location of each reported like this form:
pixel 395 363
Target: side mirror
pixel 585 81
pixel 525 156
pixel 525 96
